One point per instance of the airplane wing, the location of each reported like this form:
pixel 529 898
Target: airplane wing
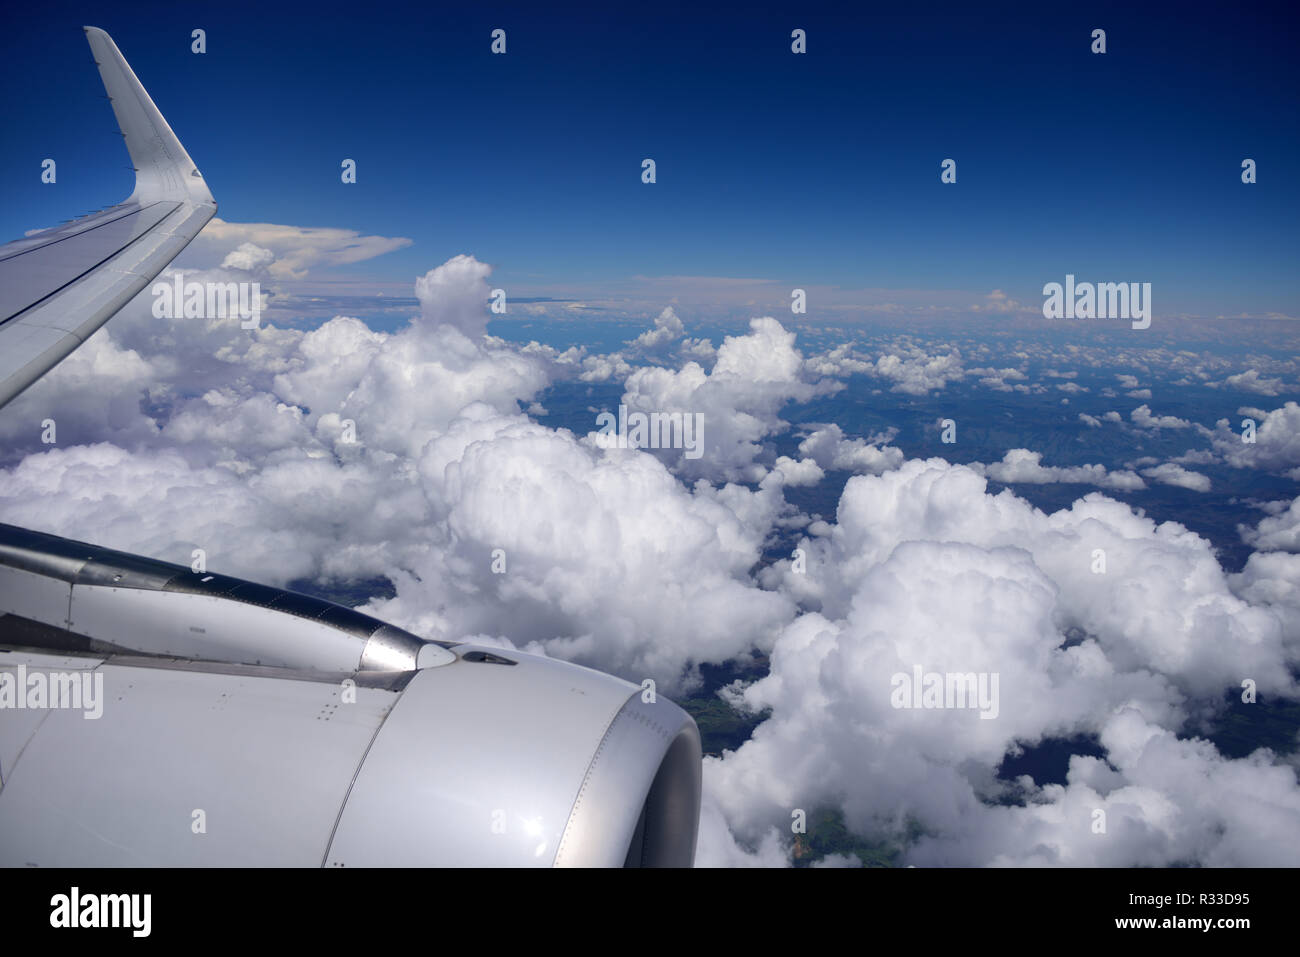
pixel 59 285
pixel 387 749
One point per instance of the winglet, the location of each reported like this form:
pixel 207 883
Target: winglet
pixel 164 171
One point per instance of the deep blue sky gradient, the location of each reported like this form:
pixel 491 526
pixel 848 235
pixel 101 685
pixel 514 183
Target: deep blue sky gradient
pixel 816 169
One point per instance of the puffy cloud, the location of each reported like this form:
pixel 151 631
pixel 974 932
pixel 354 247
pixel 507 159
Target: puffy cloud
pixel 344 453
pixel 448 293
pixel 1171 591
pixel 1172 474
pixel 248 257
pixel 1159 631
pixel 917 373
pixel 996 379
pixel 828 447
pixel 998 302
pixel 95 390
pixel 1022 465
pixel 1143 419
pixel 840 361
pixel 604 368
pixel 1196 457
pixel 753 377
pixel 1280 532
pixel 668 328
pixel 1272 579
pixel 1276 445
pixel 299 518
pixel 1252 381
pixel 702 349
pixel 717 847
pixel 801 472
pixel 1168 801
pixel 329 363
pixel 610 559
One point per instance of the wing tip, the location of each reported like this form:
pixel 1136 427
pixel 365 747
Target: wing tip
pixel 163 167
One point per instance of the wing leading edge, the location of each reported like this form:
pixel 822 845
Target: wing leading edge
pixel 59 285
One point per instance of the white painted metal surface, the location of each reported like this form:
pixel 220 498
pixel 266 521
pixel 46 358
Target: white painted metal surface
pixel 268 762
pixel 536 763
pixel 34 596
pixel 59 286
pixel 199 626
pixel 479 765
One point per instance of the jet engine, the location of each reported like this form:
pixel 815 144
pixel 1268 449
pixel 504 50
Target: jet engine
pixel 154 715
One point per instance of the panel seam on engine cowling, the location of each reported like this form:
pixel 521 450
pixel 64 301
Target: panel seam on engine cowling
pixel 586 779
pixel 356 773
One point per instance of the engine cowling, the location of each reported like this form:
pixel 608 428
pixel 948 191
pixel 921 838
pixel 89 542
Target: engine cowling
pixel 383 750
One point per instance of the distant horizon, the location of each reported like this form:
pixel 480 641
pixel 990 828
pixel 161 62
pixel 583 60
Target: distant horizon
pixel 818 170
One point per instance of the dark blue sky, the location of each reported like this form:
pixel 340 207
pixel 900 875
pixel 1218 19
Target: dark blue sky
pixel 820 169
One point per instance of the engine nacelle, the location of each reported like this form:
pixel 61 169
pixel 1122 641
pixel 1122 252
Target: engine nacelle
pixel 118 753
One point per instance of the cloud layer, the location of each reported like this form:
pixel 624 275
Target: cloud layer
pixel 347 454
